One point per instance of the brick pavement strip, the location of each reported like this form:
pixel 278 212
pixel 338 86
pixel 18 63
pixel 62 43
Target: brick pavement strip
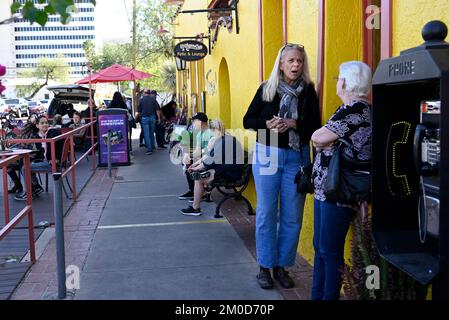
pixel 237 215
pixel 79 229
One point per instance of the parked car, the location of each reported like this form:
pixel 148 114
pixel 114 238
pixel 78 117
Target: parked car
pixel 66 96
pixel 44 104
pixel 33 106
pixel 19 106
pixel 37 106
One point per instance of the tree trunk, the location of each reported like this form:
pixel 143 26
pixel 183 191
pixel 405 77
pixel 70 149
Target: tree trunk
pixel 36 90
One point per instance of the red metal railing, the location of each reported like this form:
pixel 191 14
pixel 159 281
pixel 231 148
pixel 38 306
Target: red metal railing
pixel 73 162
pixel 28 210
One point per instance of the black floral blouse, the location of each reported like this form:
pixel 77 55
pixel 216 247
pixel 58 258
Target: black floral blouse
pixel 352 123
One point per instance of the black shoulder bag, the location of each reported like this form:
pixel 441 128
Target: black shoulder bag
pixel 348 181
pixel 303 179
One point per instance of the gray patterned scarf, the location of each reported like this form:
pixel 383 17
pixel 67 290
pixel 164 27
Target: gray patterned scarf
pixel 288 107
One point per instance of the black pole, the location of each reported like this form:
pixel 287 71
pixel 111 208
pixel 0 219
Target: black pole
pixel 59 223
pixel 109 154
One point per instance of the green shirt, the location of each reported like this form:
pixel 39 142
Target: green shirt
pixel 202 139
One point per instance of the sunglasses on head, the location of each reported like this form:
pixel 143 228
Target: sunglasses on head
pixel 300 47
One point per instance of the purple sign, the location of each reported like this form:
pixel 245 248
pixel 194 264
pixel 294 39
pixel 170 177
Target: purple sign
pixel 115 121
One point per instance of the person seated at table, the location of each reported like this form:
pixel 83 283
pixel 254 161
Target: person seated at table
pixel 57 121
pixel 77 123
pixel 224 159
pixel 29 131
pixel 41 161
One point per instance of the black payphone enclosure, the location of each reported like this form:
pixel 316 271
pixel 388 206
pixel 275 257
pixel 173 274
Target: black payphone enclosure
pixel 400 86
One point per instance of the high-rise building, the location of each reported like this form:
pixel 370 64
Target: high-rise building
pixel 29 42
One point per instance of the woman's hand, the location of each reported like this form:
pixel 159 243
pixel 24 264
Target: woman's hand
pixel 320 148
pixel 186 159
pixel 271 124
pixel 284 125
pixel 197 166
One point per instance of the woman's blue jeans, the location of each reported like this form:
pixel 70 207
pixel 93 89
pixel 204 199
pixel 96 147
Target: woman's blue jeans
pixel 274 171
pixel 331 224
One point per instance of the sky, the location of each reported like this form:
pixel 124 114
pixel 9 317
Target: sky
pixel 113 20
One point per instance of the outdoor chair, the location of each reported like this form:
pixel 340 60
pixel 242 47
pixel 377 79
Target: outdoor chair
pixel 61 166
pixel 232 188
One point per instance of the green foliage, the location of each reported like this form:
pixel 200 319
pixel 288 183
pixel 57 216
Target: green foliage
pixel 149 51
pixel 394 284
pixel 47 69
pixel 39 12
pixel 110 54
pixel 168 77
pixel 151 16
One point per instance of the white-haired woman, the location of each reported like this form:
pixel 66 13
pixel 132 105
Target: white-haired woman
pixel 350 125
pixel 285 113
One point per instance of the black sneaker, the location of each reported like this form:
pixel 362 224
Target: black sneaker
pixel 203 198
pixel 186 196
pixel 264 279
pixel 23 196
pixel 281 275
pixel 37 190
pixel 191 212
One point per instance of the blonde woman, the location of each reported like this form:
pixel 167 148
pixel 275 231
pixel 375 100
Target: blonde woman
pixel 285 113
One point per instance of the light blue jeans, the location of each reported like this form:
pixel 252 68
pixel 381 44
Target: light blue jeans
pixel 274 171
pixel 148 127
pixel 36 167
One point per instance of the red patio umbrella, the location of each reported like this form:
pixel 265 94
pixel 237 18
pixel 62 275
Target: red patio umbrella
pixel 115 73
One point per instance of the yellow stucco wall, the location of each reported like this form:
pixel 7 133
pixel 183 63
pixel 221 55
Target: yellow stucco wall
pixel 240 53
pixel 409 16
pixel 343 42
pixel 302 28
pixel 272 34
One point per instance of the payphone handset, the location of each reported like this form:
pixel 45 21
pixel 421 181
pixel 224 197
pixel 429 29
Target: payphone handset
pixel 426 153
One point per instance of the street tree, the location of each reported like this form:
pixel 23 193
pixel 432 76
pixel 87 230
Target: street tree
pixel 110 53
pixel 47 69
pixel 150 48
pixel 38 11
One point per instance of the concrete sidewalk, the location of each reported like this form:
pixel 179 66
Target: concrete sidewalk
pixel 144 248
pixel 129 240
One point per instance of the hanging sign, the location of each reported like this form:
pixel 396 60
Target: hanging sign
pixel 190 50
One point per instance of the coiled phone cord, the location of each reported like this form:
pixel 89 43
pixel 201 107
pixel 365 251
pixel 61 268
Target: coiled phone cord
pixel 422 231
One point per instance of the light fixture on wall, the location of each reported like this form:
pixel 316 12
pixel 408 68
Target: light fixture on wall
pixel 180 64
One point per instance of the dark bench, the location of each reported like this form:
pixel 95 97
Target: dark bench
pixel 232 189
